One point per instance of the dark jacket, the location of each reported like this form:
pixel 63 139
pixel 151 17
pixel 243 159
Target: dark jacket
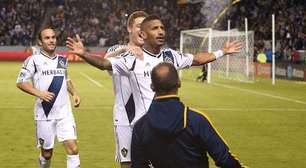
pixel 171 135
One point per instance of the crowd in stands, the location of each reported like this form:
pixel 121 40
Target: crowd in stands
pixel 102 22
pixel 19 20
pixel 290 26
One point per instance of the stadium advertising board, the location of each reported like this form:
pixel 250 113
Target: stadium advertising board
pixel 287 70
pixel 22 55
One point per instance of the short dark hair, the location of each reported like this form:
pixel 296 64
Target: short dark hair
pixel 42 29
pixel 165 78
pixel 135 15
pixel 148 19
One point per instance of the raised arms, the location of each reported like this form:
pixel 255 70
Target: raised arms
pixel 77 47
pixel 229 48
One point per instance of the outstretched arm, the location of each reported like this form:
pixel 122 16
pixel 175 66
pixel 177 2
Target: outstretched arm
pixel 135 50
pixel 229 48
pixel 77 47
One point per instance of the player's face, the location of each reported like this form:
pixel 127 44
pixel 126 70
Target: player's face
pixel 48 40
pixel 134 31
pixel 154 33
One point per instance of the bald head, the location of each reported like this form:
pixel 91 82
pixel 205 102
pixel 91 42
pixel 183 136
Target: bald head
pixel 165 79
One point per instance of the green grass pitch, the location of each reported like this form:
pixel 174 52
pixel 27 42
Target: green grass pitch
pixel 264 125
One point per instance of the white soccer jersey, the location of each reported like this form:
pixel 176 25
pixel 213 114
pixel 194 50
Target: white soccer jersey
pixel 139 71
pixel 124 106
pixel 47 74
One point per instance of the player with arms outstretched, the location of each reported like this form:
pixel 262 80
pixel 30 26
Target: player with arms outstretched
pixel 138 70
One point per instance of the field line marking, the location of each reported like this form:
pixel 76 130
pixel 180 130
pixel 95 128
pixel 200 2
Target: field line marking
pixel 91 79
pixel 250 109
pixel 260 93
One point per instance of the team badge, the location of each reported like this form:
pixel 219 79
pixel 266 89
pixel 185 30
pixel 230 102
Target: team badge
pixel 168 57
pixel 124 152
pixel 62 63
pixel 22 75
pixel 41 141
pixel 168 60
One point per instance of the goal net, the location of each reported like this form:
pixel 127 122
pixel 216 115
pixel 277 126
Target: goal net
pixel 237 66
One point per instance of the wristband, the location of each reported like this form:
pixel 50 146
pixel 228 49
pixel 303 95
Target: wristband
pixel 218 54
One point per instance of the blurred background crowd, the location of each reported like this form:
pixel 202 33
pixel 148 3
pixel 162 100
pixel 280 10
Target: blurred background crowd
pixel 102 22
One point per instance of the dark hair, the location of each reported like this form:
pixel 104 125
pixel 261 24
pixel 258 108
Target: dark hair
pixel 135 15
pixel 164 78
pixel 41 30
pixel 148 19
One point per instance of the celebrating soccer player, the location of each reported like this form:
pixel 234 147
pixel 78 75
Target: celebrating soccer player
pixel 124 107
pixel 138 70
pixel 53 115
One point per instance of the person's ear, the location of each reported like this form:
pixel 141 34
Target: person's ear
pixel 143 34
pixel 39 42
pixel 129 29
pixel 179 84
pixel 152 87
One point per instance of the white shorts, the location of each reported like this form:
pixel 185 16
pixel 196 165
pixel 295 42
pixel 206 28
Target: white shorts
pixel 46 130
pixel 123 137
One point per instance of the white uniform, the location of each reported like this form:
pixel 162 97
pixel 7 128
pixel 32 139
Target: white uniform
pixel 53 118
pixel 139 71
pixel 123 112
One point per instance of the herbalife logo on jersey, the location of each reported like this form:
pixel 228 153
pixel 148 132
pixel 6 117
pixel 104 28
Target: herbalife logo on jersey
pixel 146 73
pixel 53 72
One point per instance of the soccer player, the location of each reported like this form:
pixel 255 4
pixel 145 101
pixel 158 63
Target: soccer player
pixel 52 112
pixel 172 135
pixel 138 70
pixel 124 107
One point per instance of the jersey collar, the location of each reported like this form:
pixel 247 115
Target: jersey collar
pixel 44 54
pixel 151 54
pixel 166 97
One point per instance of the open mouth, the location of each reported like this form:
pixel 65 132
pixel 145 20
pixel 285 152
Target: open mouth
pixel 161 39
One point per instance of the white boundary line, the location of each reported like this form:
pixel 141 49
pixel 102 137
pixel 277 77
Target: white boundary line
pixel 199 108
pixel 91 80
pixel 259 93
pixel 251 109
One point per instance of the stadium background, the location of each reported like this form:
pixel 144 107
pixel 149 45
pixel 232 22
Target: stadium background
pixel 263 124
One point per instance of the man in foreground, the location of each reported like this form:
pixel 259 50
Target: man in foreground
pixel 172 135
pixel 52 113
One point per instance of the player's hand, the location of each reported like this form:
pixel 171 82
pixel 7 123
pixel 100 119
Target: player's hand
pixel 232 47
pixel 76 100
pixel 75 45
pixel 136 51
pixel 46 96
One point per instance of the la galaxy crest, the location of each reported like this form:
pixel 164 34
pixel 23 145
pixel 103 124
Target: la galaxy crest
pixel 168 57
pixel 61 62
pixel 124 152
pixel 41 141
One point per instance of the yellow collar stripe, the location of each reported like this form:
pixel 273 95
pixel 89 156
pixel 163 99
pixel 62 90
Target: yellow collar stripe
pixel 166 96
pixel 185 117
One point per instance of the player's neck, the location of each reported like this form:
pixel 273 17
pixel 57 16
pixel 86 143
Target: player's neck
pixel 48 54
pixel 152 49
pixel 131 43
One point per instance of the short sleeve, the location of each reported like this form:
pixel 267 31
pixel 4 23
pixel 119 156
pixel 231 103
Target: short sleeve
pixel 181 60
pixel 124 64
pixel 27 70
